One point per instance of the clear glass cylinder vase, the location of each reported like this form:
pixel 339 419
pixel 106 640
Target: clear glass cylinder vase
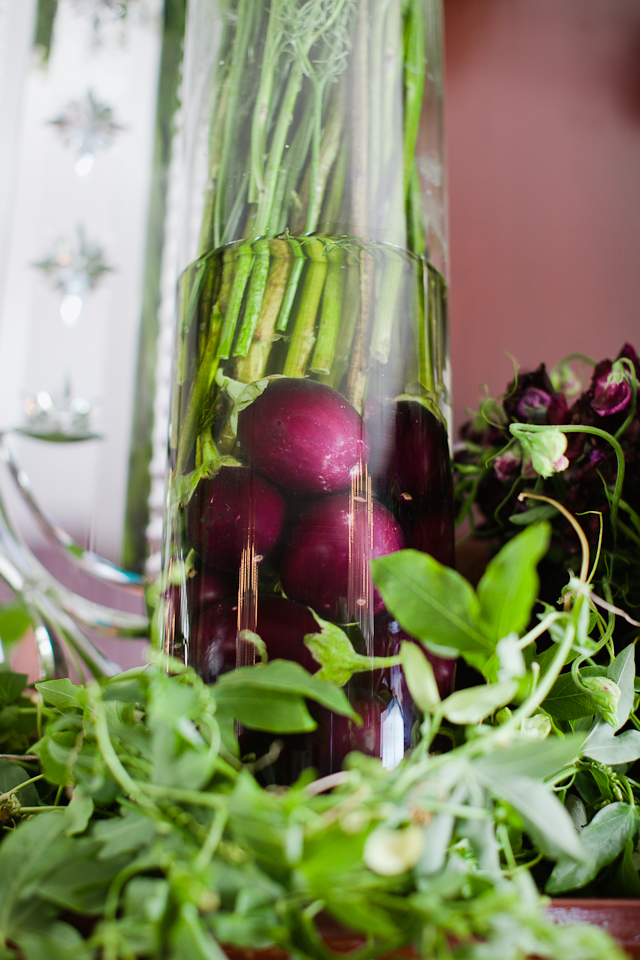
pixel 311 393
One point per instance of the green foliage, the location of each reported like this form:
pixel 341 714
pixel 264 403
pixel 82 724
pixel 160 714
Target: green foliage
pixel 171 844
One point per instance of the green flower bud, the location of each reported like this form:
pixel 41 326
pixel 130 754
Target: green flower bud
pixel 605 695
pixel 545 448
pixel 391 852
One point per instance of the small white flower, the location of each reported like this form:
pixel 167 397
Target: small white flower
pixel 391 852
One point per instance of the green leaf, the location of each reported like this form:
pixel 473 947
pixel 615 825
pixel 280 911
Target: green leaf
pixel 420 677
pixel 270 710
pixel 603 746
pixel 434 604
pixel 23 858
pixel 287 677
pixel 622 670
pixel 62 694
pixel 603 839
pixel 78 813
pixel 127 833
pixel 509 587
pixel 11 686
pixel 542 813
pixel 625 882
pixel 333 650
pixel 539 759
pixel 567 702
pixel 59 941
pixel 533 515
pixel 475 703
pixel 11 776
pixel 14 623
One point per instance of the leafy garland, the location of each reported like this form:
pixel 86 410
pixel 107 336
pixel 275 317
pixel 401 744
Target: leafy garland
pixel 145 835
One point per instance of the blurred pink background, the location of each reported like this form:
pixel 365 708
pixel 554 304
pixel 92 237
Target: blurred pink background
pixel 543 129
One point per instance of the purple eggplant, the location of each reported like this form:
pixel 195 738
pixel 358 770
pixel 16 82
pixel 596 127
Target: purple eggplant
pixel 316 561
pixel 235 511
pixel 281 623
pixel 303 436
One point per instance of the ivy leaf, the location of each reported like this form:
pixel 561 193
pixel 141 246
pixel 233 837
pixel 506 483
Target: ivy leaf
pixel 509 587
pixel 434 604
pixel 603 839
pixel 475 703
pixel 333 650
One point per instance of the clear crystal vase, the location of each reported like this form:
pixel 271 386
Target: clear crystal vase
pixel 311 390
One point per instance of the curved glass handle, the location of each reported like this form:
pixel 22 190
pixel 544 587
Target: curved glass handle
pixel 86 560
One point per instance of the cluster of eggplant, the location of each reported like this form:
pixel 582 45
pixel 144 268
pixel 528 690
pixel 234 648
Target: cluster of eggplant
pixel 290 508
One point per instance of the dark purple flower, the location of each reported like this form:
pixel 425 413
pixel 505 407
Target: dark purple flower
pixel 530 397
pixel 533 405
pixel 612 392
pixel 507 465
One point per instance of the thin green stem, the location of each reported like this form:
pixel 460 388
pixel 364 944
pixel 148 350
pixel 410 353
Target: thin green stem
pixel 240 49
pixel 263 101
pixel 101 730
pixel 327 153
pixel 276 149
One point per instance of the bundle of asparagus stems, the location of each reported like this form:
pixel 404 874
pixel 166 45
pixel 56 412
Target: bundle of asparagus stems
pixel 312 210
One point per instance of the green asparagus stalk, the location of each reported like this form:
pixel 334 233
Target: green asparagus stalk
pixel 292 286
pixel 253 366
pixel 414 77
pixel 304 331
pixel 325 349
pixel 348 323
pixel 243 272
pixel 255 296
pixel 247 10
pixel 360 186
pixel 263 101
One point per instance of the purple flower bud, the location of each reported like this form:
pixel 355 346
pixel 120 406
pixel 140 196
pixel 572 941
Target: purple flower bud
pixel 612 392
pixel 507 465
pixel 533 405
